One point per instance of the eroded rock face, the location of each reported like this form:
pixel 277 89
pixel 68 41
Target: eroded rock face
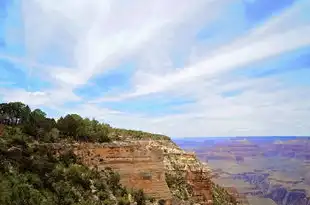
pixel 196 184
pixel 278 193
pixel 138 167
pixel 146 165
pixel 200 185
pixel 241 197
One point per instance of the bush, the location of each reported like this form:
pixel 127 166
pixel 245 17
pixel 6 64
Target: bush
pixel 123 201
pixel 68 157
pixel 51 136
pixel 108 202
pixel 139 197
pixel 102 136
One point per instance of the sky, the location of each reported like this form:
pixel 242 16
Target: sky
pixel 179 68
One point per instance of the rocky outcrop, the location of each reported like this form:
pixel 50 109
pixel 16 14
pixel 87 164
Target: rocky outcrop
pixel 277 192
pixel 191 175
pixel 139 168
pixel 241 197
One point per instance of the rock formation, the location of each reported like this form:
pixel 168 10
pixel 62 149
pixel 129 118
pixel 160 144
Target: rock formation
pixel 159 167
pixel 277 192
pixel 138 167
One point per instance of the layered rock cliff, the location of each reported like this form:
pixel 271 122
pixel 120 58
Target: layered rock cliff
pixel 187 178
pixel 159 167
pixel 138 167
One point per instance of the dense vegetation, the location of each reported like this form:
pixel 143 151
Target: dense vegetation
pixel 32 173
pixel 35 123
pixel 115 132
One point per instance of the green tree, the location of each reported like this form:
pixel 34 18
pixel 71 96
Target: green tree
pixel 69 125
pixel 38 125
pixel 15 112
pixel 25 115
pixel 102 134
pixel 37 113
pixel 85 130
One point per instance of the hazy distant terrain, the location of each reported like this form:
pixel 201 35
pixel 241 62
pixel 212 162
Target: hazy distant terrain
pixel 267 170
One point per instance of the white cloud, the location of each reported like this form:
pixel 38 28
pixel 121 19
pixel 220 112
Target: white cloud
pixel 254 112
pixel 265 107
pixel 94 36
pixel 226 59
pixel 31 98
pixel 51 98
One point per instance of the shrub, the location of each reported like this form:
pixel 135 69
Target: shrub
pixel 123 201
pixel 139 197
pixel 108 202
pixel 161 202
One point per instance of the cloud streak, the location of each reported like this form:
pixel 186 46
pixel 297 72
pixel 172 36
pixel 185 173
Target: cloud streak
pixel 97 34
pixel 146 65
pixel 228 58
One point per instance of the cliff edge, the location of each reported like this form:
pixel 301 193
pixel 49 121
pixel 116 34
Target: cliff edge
pixel 73 152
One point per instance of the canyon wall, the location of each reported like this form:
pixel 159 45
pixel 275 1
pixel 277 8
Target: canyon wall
pixel 191 175
pixel 139 168
pixel 149 165
pixel 282 195
pixel 276 169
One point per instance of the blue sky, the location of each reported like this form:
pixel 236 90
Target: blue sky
pixel 181 68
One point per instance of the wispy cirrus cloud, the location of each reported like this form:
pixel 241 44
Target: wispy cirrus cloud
pixel 183 69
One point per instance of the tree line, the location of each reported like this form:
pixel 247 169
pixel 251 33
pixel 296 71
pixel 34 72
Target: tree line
pixel 36 123
pixel 72 126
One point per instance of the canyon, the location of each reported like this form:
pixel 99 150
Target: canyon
pixel 262 170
